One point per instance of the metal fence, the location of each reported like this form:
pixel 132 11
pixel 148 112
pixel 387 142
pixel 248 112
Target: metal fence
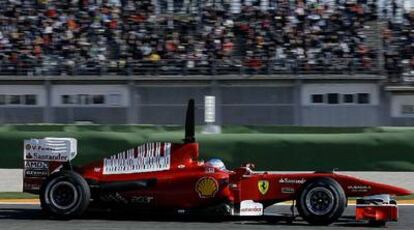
pixel 233 66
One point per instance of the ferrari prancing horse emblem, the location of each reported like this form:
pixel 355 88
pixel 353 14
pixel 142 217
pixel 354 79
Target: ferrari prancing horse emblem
pixel 263 186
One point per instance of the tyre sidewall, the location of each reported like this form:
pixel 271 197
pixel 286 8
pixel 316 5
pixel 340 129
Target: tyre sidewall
pixel 82 190
pixel 339 200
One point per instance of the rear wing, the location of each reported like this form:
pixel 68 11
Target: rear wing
pixel 44 156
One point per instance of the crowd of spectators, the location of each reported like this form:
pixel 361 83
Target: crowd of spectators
pixel 108 33
pixel 398 40
pixel 134 37
pixel 314 34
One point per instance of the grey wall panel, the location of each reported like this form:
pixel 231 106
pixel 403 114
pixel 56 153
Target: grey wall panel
pixel 356 115
pixel 257 95
pixel 21 115
pixel 167 105
pixel 241 105
pixel 95 115
pixel 174 114
pixel 402 121
pixel 171 95
pixel 275 115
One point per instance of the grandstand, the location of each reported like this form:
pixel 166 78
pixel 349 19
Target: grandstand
pixel 282 62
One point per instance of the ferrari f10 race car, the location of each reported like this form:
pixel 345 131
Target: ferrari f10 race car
pixel 169 176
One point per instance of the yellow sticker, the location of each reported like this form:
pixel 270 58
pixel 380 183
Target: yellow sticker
pixel 206 187
pixel 263 186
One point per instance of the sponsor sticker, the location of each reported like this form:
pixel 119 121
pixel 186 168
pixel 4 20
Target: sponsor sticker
pixel 291 181
pixel 36 169
pixel 46 156
pixel 50 149
pixel 31 186
pixel 255 209
pixel 150 157
pixel 142 199
pixel 206 187
pixel 36 173
pixel 287 190
pixel 210 170
pixel 263 186
pixel 359 188
pixel 28 155
pixel 114 197
pixel 250 208
pixel 36 165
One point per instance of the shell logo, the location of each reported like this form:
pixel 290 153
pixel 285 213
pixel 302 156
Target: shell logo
pixel 206 187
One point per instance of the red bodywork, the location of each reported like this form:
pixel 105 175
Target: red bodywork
pixel 179 187
pixel 376 213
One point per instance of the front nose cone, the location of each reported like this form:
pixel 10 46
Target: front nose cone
pixel 392 190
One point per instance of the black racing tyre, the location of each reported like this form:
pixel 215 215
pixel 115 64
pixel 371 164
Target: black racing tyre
pixel 64 195
pixel 321 201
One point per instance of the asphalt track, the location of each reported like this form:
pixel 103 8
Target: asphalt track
pixel 18 216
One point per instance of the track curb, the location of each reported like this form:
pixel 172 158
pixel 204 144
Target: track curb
pixel 19 201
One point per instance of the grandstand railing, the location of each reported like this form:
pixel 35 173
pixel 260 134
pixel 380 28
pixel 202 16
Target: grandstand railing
pixel 192 67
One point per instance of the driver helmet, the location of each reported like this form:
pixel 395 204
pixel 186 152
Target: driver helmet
pixel 216 163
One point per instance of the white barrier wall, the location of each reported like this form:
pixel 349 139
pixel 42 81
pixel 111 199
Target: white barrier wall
pixel 402 106
pixel 341 104
pixel 8 92
pixel 341 89
pixel 11 180
pixel 90 95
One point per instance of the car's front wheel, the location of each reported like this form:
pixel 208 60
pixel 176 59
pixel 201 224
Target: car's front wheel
pixel 322 201
pixel 65 195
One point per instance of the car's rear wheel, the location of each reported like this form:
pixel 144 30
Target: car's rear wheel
pixel 65 195
pixel 321 202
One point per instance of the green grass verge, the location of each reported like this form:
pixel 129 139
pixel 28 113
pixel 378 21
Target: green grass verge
pixel 409 197
pixel 276 148
pixel 17 195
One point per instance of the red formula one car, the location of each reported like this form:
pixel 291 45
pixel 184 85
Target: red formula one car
pixel 169 176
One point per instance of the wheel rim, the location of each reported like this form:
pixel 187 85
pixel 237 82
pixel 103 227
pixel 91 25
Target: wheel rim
pixel 319 201
pixel 63 195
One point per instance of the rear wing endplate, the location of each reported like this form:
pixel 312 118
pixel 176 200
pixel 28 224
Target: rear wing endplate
pixel 50 149
pixel 44 156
